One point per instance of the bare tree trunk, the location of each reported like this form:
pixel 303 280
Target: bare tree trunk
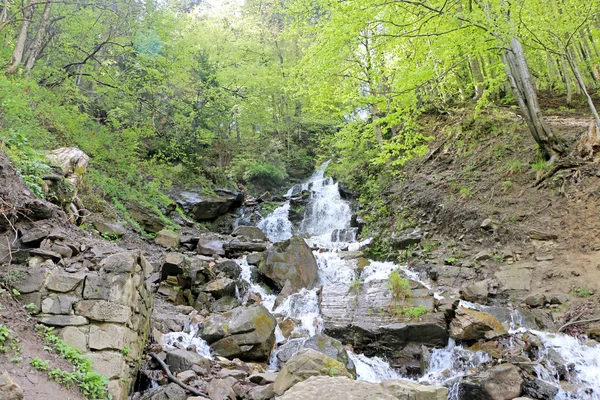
pixel 17 55
pixel 523 87
pixel 477 77
pixel 567 82
pixel 4 15
pixel 376 126
pixel 34 49
pixel 581 83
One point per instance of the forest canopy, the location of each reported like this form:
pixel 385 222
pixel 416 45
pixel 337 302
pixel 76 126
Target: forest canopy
pixel 254 92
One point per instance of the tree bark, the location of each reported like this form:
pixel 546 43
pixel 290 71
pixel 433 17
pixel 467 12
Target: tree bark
pixel 578 77
pixel 477 78
pixel 36 46
pixel 523 87
pixel 17 56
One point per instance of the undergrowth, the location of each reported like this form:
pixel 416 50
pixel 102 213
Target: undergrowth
pixel 91 384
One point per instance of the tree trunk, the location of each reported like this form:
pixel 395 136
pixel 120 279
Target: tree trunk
pixel 477 77
pixel 4 15
pixel 34 49
pixel 523 87
pixel 17 55
pixel 581 83
pixel 567 82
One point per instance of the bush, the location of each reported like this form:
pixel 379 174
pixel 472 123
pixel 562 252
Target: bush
pixel 264 174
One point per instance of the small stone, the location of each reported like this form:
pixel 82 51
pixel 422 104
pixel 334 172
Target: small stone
pixel 237 374
pixel 544 257
pixel 490 224
pixel 110 228
pixel 539 235
pixel 482 256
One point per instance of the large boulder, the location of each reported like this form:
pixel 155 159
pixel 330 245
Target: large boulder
pixel 244 332
pixel 290 263
pixel 370 319
pixel 342 388
pixel 148 219
pixel 332 348
pixel 474 325
pixel 249 233
pixel 307 363
pixel 72 161
pixel 208 207
pixel 501 382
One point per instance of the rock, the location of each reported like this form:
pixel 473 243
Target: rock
pixel 35 235
pixel 104 311
pixel 405 389
pixel 71 160
pixel 536 300
pixel 109 336
pixel 182 360
pixel 235 373
pixel 261 392
pixel 263 378
pixel 490 224
pixel 209 245
pixel 205 207
pixel 146 217
pixel 307 363
pixel 245 332
pixel 290 261
pixel 249 233
pixel 167 238
pixel 255 258
pixel 108 363
pixel 236 247
pixel 187 376
pixel 474 325
pixel 477 292
pixel 222 389
pixel 229 268
pixel 482 256
pixel 58 304
pixel 515 277
pixel 220 287
pixel 172 391
pixel 502 382
pixel 539 235
pixel 558 298
pixel 342 388
pixel 31 280
pixel 120 263
pixel 110 228
pixel 64 320
pixel 406 239
pixel 364 318
pixel 224 304
pixel 74 337
pixel 9 389
pixel 539 389
pixel 344 235
pixel 332 348
pixel 61 281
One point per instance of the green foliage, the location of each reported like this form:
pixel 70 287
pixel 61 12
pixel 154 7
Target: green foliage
pixel 264 173
pixel 126 350
pixel 450 260
pixel 39 364
pixel 540 165
pixel 581 292
pixel 415 312
pixel 399 286
pixel 91 384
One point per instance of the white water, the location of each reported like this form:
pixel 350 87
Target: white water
pixel 325 213
pixel 186 340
